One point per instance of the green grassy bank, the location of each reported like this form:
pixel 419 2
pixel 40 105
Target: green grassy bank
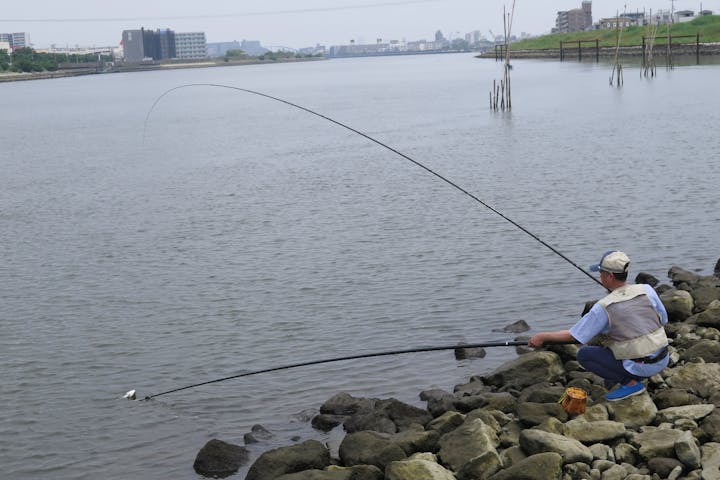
pixel 708 27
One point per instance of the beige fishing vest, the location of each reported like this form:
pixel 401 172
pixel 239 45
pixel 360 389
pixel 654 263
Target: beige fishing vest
pixel 635 327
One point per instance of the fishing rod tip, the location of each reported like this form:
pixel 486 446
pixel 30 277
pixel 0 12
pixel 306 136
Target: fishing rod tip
pixel 130 395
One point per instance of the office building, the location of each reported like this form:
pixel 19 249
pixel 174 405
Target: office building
pixel 191 45
pixel 575 20
pixel 140 45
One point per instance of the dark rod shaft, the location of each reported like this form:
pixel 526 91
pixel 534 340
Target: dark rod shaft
pixel 415 162
pixel 500 343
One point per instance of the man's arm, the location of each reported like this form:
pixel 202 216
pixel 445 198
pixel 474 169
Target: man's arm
pixel 544 337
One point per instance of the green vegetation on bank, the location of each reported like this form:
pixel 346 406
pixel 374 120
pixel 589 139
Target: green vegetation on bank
pixel 28 60
pixel 708 27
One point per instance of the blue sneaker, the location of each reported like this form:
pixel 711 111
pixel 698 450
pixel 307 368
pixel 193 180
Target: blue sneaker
pixel 625 391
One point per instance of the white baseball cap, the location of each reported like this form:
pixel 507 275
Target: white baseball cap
pixel 612 261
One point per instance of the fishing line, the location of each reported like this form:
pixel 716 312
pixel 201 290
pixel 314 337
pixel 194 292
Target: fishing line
pixel 406 157
pixel 500 343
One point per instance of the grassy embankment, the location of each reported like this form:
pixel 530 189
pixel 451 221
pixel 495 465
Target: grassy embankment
pixel 708 27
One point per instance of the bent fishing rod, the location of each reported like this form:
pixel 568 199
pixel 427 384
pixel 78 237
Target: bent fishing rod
pixel 498 343
pixel 374 140
pixel 131 394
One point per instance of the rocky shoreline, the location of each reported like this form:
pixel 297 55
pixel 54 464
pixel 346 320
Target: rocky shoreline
pixel 508 424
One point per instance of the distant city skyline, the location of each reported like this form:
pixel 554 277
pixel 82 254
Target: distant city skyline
pixel 296 24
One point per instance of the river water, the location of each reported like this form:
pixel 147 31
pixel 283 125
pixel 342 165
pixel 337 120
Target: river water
pixel 235 233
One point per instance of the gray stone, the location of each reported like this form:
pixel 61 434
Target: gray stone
pixel 374 420
pixel 471 439
pixel 416 440
pixel 359 472
pixel 516 327
pixel 710 317
pixel 711 461
pixel 220 459
pixel 257 434
pixel 308 455
pixel 512 456
pixel 542 466
pixel 711 426
pixel 345 404
pixel 464 353
pixel 594 432
pixel 674 397
pixel 700 379
pixel 542 393
pixel 615 472
pixel 552 425
pixel 656 442
pixel 438 401
pixel 403 414
pixel 369 448
pixel 663 465
pixel 481 467
pixel 647 279
pixel 447 422
pixel 708 350
pixel 536 441
pixel 416 469
pixel 678 303
pixel 528 369
pixel 634 412
pixel 486 417
pixel 688 451
pixel 625 453
pixel 602 452
pixel 679 276
pixel 531 414
pixel 502 401
pixel 693 412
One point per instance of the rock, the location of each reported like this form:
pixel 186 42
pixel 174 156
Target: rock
pixel 542 466
pixel 502 401
pixel 464 353
pixel 675 397
pixel 516 327
pixel 416 469
pixel 625 453
pixel 705 291
pixel 711 426
pixel 403 415
pixel 413 441
pixel 711 461
pixel 716 272
pixel 358 472
pixel 486 417
pixel 679 276
pixel 663 465
pixel 257 434
pixel 531 414
pixel 446 422
pixel 466 442
pixel 481 467
pixel 369 448
pixel 325 422
pixel 571 450
pixel 647 279
pixel 688 451
pixel 710 317
pixel 634 412
pixel 219 459
pixel 657 442
pixel 438 401
pixel 345 404
pixel 615 472
pixel 542 393
pixel 693 412
pixel 700 379
pixel 308 455
pixel 375 421
pixel 678 303
pixel 512 456
pixel 708 350
pixel 602 452
pixel 527 370
pixel 594 432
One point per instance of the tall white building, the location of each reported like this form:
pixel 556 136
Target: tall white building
pixel 191 45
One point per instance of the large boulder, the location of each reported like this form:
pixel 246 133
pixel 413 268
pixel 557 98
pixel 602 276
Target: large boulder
pixel 359 472
pixel 531 414
pixel 446 422
pixel 678 303
pixel 481 467
pixel 692 412
pixel 656 442
pixel 708 350
pixel 416 440
pixel 594 432
pixel 471 439
pixel 710 317
pixel 541 466
pixel 634 412
pixel 536 441
pixel 711 461
pixel 705 291
pixel 526 370
pixel 369 448
pixel 308 455
pixel 417 469
pixel 219 459
pixel 702 379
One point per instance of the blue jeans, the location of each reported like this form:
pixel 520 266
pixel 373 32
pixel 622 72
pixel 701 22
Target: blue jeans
pixel 602 362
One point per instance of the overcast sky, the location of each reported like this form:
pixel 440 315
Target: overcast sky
pixel 296 23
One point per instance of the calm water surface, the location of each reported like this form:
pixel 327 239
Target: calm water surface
pixel 243 234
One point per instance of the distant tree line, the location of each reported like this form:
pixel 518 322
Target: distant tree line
pixel 238 54
pixel 28 60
